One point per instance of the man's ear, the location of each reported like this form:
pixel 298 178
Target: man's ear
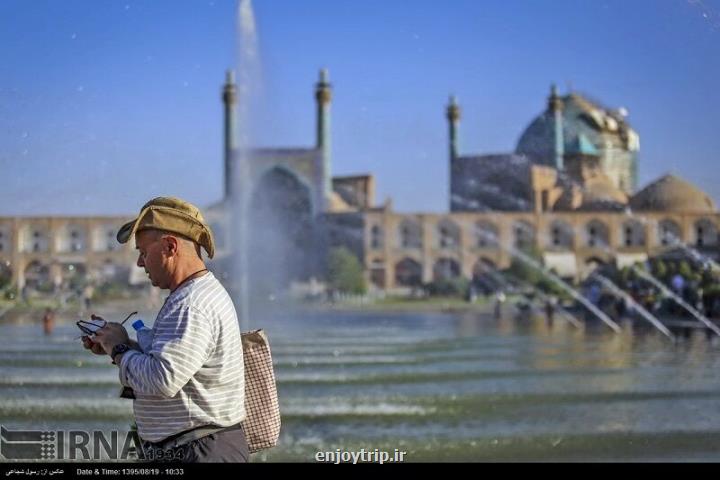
pixel 171 245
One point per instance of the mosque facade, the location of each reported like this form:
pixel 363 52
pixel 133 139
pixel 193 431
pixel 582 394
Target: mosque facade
pixel 568 190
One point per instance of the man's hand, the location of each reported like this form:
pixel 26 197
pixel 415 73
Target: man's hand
pixel 91 345
pixel 94 347
pixel 110 335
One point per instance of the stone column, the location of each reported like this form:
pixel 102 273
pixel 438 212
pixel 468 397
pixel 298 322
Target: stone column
pixel 687 230
pixel 651 234
pixel 428 225
pixel 18 267
pixel 55 228
pixel 467 259
pixel 614 231
pixel 56 276
pixel 389 232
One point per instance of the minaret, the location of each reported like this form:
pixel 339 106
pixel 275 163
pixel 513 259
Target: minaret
pixel 453 116
pixel 323 96
pixel 229 98
pixel 555 107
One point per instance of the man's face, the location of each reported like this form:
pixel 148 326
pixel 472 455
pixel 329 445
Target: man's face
pixel 151 257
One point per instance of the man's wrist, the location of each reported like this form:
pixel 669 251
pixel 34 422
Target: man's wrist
pixel 118 359
pixel 117 352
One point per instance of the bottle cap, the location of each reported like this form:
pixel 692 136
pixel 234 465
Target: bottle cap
pixel 138 324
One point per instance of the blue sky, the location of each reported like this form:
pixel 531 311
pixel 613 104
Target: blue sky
pixel 104 104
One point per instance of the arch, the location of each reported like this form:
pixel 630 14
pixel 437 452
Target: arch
pixel 448 234
pixel 114 271
pixel 446 269
pixel 483 265
pixel 106 271
pixel 410 234
pixel 633 234
pixel 37 276
pixel 486 234
pixel 669 232
pixel 706 234
pixel 280 232
pixel 595 260
pixel 484 277
pixel 6 273
pixel 597 234
pixel 593 263
pixel 377 240
pixel 5 239
pixel 74 275
pixel 561 235
pixel 377 272
pixel 408 273
pixel 287 172
pixel 523 234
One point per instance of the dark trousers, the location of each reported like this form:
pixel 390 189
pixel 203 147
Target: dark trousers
pixel 224 446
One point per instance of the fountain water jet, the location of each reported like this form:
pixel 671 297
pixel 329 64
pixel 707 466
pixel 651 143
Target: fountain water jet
pixel 563 312
pixel 699 316
pixel 640 309
pixel 248 87
pixel 532 263
pixel 674 241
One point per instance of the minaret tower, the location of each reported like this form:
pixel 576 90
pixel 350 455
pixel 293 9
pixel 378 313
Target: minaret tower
pixel 555 107
pixel 323 97
pixel 229 98
pixel 453 116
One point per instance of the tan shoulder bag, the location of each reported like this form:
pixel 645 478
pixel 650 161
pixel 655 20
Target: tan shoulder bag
pixel 262 420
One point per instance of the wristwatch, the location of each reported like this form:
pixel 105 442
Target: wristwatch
pixel 118 349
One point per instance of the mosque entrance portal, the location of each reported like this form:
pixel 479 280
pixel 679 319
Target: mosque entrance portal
pixel 280 233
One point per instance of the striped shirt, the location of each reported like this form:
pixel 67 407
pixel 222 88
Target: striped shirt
pixel 193 374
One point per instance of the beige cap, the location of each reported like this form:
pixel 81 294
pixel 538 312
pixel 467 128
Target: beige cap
pixel 171 215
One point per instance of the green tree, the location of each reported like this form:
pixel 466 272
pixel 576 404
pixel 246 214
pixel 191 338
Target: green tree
pixel 344 273
pixel 523 271
pixel 707 279
pixel 685 270
pixel 453 287
pixel 660 270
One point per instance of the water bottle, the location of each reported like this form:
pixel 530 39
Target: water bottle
pixel 144 335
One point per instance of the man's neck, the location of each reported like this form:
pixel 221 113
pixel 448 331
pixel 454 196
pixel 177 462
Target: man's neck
pixel 185 272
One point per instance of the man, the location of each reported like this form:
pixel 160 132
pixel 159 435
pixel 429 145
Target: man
pixel 550 311
pixel 48 321
pixel 189 387
pixel 499 300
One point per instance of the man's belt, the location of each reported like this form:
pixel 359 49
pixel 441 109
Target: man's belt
pixel 188 436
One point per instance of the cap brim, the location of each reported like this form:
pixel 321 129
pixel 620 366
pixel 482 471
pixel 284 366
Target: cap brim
pixel 126 231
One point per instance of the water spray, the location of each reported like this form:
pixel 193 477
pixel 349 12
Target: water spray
pixel 640 309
